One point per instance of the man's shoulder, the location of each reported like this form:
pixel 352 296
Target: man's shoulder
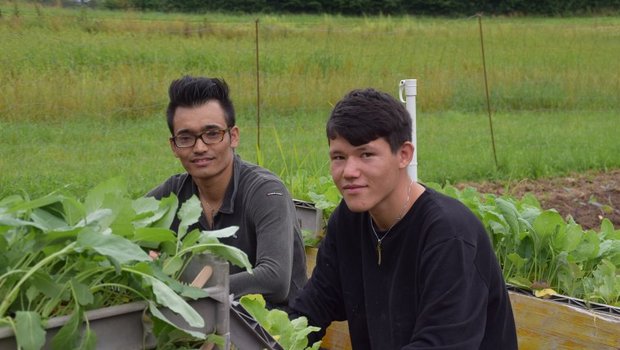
pixel 174 184
pixel 449 218
pixel 251 175
pixel 441 203
pixel 343 217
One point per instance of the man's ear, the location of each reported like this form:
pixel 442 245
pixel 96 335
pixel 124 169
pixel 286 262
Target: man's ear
pixel 405 154
pixel 174 148
pixel 234 136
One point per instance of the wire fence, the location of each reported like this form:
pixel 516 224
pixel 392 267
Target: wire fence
pixel 121 65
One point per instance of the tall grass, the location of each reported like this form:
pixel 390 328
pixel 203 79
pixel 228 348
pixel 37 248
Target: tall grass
pixel 83 92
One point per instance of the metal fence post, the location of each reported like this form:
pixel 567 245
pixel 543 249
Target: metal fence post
pixel 409 86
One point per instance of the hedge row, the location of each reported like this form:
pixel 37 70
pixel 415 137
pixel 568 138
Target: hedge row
pixel 369 7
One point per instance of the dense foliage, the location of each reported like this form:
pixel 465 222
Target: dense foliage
pixel 63 256
pixel 367 7
pixel 538 249
pixel 290 334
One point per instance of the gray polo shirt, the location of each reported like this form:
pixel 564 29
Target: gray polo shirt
pixel 259 204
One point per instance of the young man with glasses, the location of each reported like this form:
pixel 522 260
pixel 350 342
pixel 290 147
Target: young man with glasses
pixel 201 119
pixel 407 267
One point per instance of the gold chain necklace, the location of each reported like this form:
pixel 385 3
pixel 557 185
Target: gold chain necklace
pixel 211 210
pixel 372 226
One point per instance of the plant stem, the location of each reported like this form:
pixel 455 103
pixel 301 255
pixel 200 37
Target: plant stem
pixel 8 300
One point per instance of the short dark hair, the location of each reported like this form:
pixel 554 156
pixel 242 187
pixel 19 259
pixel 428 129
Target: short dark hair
pixel 364 115
pixel 191 91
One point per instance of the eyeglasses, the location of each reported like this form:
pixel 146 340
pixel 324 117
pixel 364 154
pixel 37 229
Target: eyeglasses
pixel 209 137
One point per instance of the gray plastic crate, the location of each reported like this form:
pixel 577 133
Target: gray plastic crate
pixel 309 217
pixel 122 327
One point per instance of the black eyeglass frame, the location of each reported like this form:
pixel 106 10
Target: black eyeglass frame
pixel 201 137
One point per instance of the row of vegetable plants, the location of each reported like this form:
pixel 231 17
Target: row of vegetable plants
pixel 538 249
pixel 63 256
pixel 60 255
pixel 546 253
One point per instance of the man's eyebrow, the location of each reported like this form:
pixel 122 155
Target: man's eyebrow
pixel 204 128
pixel 211 127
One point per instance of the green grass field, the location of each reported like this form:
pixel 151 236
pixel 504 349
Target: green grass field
pixel 83 92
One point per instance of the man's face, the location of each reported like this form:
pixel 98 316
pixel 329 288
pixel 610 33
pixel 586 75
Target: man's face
pixel 365 175
pixel 204 161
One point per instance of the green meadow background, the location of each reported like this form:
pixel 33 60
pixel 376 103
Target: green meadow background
pixel 83 92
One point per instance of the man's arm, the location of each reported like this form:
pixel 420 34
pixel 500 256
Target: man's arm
pixel 321 298
pixel 459 304
pixel 273 214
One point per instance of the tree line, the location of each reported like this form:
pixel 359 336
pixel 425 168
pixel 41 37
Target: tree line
pixel 368 7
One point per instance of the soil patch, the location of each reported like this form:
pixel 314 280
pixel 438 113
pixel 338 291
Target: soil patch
pixel 587 197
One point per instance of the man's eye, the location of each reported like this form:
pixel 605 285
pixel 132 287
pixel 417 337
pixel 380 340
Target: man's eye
pixel 212 134
pixel 366 155
pixel 185 138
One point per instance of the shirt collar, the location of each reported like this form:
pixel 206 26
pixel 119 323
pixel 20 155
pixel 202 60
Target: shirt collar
pixel 228 204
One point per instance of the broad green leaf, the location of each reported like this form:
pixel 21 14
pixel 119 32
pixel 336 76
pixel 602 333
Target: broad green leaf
pixel 32 293
pixel 54 237
pixel 145 205
pixel 188 214
pixel 217 340
pixel 181 288
pixel 530 214
pixel 234 255
pixel 10 201
pixel 290 334
pixel 282 329
pixel 606 281
pixel 588 247
pixel 510 214
pixel 530 200
pixel 82 292
pixel 122 220
pixel 255 305
pixel 44 283
pixel 89 340
pixel 95 198
pixel 517 260
pixel 155 312
pixel 29 331
pixel 100 216
pixel 173 264
pixel 153 234
pixel 36 203
pixel 6 220
pixel 496 222
pixel 47 220
pixel 69 335
pixel 548 223
pixel 153 213
pixel 614 254
pixel 167 297
pixel 607 230
pixel 222 233
pixel 169 205
pixel 116 247
pixel 574 235
pixel 190 239
pixel 73 210
pixel 609 248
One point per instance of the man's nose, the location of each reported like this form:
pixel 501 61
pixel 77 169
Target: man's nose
pixel 351 168
pixel 200 145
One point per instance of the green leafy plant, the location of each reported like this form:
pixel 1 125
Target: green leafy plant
pixel 290 334
pixel 539 249
pixel 62 256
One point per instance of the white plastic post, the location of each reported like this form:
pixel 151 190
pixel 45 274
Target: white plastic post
pixel 410 88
